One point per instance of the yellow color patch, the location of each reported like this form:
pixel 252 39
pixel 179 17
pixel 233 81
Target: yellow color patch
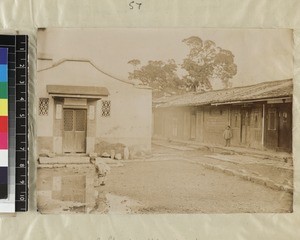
pixel 3 107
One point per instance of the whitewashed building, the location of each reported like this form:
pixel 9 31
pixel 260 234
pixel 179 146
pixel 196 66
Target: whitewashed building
pixel 79 105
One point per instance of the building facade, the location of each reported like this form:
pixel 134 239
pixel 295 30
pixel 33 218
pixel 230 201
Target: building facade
pixel 260 116
pixel 80 106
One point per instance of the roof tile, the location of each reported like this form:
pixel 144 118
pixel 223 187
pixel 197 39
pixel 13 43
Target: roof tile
pixel 272 89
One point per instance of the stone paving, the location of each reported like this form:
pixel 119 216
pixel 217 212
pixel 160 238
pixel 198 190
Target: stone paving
pixel 274 173
pixel 172 173
pixel 171 182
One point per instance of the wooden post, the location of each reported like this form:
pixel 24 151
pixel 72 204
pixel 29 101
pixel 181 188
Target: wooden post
pixel 229 116
pixel 263 125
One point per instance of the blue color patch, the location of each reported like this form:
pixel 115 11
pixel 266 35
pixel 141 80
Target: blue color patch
pixel 3 73
pixel 3 55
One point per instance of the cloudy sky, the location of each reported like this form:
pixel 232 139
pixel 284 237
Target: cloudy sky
pixel 261 55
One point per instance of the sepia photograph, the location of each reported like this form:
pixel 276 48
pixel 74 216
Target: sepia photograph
pixel 164 121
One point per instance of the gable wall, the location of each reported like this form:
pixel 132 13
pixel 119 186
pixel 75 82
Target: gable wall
pixel 130 119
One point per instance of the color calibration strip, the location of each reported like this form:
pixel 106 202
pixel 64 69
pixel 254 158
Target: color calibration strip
pixel 14 106
pixel 3 123
pixel 9 42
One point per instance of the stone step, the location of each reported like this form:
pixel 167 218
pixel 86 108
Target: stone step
pixel 64 159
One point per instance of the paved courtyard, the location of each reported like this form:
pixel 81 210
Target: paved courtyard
pixel 173 181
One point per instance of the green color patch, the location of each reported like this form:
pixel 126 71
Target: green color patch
pixel 3 90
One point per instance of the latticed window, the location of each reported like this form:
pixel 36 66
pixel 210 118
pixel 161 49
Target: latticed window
pixel 105 111
pixel 68 120
pixel 80 120
pixel 43 106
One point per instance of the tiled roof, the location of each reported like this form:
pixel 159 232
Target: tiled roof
pixel 265 90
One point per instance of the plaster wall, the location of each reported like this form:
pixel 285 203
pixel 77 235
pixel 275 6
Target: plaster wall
pixel 130 120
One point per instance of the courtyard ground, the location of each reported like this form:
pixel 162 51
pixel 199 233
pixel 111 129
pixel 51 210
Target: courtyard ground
pixel 181 179
pixel 176 181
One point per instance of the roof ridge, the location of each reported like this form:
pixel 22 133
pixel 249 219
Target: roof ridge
pixel 261 90
pixel 246 86
pixel 62 60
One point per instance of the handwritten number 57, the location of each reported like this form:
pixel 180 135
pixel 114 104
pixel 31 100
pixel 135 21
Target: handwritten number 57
pixel 133 4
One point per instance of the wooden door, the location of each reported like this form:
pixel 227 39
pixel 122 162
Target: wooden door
pixel 271 140
pixel 193 126
pixel 74 130
pixel 285 127
pixel 245 126
pixel 187 125
pixel 199 126
pixel 235 123
pixel 174 127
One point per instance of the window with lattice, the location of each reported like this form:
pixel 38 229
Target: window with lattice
pixel 43 106
pixel 68 120
pixel 106 105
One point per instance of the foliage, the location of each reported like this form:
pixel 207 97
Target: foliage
pixel 204 62
pixel 134 62
pixel 160 76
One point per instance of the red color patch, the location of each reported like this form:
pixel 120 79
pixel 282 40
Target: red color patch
pixel 3 123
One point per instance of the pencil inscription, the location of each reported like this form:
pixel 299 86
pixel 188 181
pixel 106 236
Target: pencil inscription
pixel 135 5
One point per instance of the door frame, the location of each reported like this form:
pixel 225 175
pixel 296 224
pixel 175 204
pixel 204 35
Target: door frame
pixel 245 131
pixel 289 124
pixel 74 108
pixel 193 124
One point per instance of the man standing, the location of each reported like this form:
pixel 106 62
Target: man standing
pixel 102 169
pixel 227 136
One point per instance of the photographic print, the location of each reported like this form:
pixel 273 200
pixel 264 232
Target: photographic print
pixel 158 121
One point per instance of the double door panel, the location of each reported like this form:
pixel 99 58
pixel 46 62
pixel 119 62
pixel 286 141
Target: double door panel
pixel 285 127
pixel 74 139
pixel 245 126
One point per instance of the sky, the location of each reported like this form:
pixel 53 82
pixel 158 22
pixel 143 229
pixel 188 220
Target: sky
pixel 260 54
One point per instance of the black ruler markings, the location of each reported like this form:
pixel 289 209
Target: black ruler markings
pixel 21 123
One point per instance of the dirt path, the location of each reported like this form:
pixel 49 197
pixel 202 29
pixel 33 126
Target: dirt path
pixel 279 172
pixel 182 187
pixel 170 181
pixel 120 204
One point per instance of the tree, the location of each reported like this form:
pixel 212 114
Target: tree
pixel 159 75
pixel 134 62
pixel 206 61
